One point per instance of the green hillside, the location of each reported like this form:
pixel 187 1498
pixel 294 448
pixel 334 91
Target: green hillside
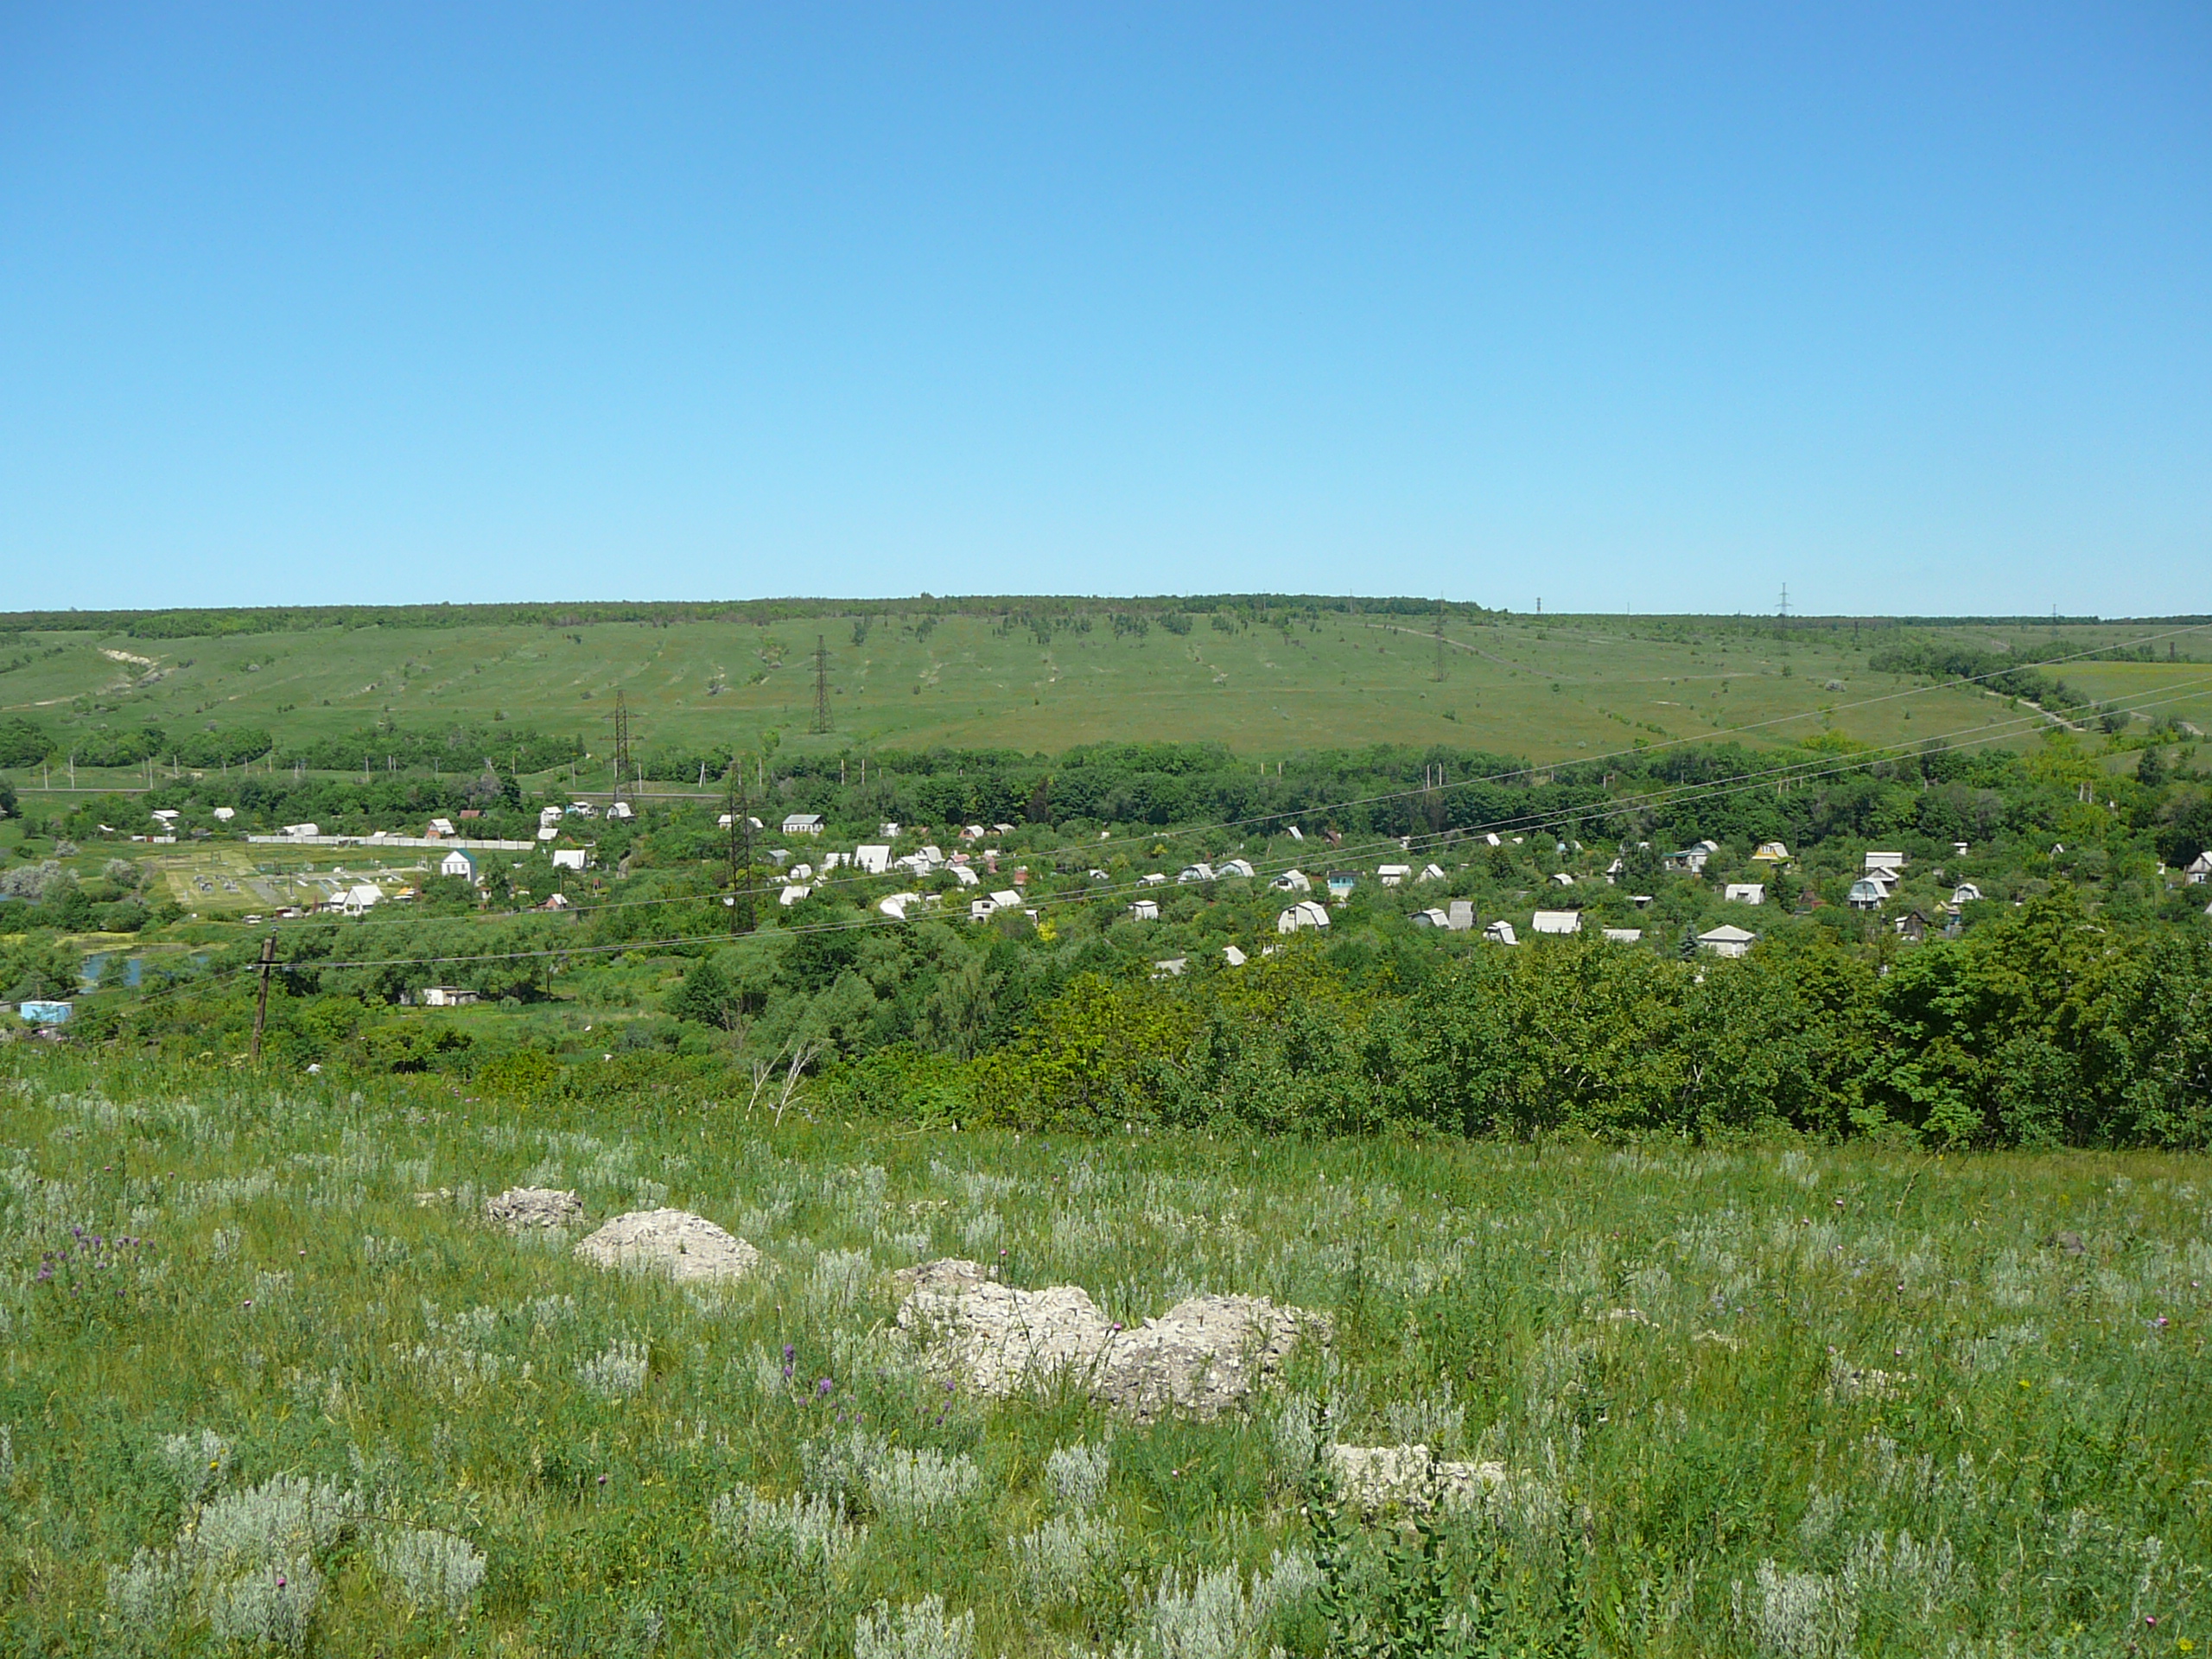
pixel 1266 677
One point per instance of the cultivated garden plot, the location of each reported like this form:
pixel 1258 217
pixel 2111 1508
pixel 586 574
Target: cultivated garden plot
pixel 295 1366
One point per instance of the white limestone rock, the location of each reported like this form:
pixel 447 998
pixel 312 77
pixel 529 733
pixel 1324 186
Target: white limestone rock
pixel 689 1248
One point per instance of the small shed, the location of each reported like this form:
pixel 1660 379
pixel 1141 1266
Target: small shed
pixel 1305 913
pixel 1770 852
pixel 1623 935
pixel 1341 882
pixel 446 996
pixel 1459 916
pixel 1145 910
pixel 1235 866
pixel 2199 870
pixel 1500 933
pixel 1744 893
pixel 1292 881
pixel 1233 956
pixel 571 858
pixel 1393 875
pixel 1430 918
pixel 1560 922
pixel 873 860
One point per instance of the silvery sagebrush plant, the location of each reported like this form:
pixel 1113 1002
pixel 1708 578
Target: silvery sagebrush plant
pixel 616 1374
pixel 1059 1563
pixel 918 1630
pixel 1076 1476
pixel 804 1526
pixel 922 1483
pixel 196 1460
pixel 433 1570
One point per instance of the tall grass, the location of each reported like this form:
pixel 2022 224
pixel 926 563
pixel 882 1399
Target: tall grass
pixel 265 1387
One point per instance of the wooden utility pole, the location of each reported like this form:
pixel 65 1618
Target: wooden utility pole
pixel 261 1001
pixel 741 852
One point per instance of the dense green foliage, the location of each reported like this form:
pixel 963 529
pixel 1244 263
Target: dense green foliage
pixel 2062 998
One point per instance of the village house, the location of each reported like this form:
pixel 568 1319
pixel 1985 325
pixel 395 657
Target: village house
pixel 1691 861
pixel 1500 933
pixel 1307 912
pixel 1341 883
pixel 1744 893
pixel 1888 864
pixel 1770 852
pixel 2199 870
pixel 1727 940
pixel 873 860
pixel 1145 910
pixel 803 823
pixel 1393 875
pixel 459 863
pixel 1292 881
pixel 571 858
pixel 1867 894
pixel 1237 866
pixel 446 996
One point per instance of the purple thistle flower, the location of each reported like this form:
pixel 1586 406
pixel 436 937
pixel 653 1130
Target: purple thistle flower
pixel 823 1387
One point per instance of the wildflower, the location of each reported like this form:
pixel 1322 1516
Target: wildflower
pixel 602 1480
pixel 823 1387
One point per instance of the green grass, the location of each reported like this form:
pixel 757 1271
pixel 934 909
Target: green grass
pixel 1553 689
pixel 1864 1404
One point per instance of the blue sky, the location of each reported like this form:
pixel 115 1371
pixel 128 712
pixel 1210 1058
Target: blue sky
pixel 1650 306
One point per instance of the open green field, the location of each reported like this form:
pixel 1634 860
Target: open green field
pixel 1552 689
pixel 1762 1399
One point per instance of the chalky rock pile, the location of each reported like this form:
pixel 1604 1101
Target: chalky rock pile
pixel 532 1206
pixel 1201 1358
pixel 1373 1478
pixel 689 1248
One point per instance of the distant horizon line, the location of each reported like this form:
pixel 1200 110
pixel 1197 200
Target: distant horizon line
pixel 579 613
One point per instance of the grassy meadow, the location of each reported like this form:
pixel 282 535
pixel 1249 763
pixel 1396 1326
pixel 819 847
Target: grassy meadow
pixel 1767 1399
pixel 1552 689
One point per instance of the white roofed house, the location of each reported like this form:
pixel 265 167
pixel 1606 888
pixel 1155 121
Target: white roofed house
pixel 439 827
pixel 571 858
pixel 803 823
pixel 1393 875
pixel 459 863
pixel 1888 864
pixel 1431 873
pixel 1144 910
pixel 1623 935
pixel 1744 893
pixel 1558 921
pixel 1292 881
pixel 1501 933
pixel 2199 870
pixel 1200 872
pixel 873 860
pixel 1235 866
pixel 1305 913
pixel 361 896
pixel 1727 940
pixel 1461 916
pixel 1430 917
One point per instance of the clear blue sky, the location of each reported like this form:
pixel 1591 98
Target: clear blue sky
pixel 1650 306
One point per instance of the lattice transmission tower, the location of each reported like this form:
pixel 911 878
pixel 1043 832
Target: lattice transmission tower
pixel 821 722
pixel 621 745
